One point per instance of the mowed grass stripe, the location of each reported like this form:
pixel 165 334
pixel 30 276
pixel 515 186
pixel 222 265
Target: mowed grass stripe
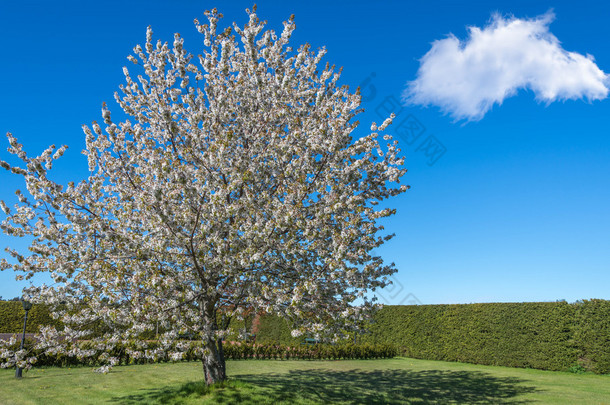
pixel 395 381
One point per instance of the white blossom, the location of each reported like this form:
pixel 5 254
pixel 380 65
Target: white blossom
pixel 234 184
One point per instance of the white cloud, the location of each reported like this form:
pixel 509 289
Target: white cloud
pixel 466 78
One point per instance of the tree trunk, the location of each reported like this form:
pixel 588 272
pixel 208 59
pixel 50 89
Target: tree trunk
pixel 213 360
pixel 221 358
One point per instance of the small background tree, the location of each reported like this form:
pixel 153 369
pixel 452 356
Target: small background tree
pixel 233 183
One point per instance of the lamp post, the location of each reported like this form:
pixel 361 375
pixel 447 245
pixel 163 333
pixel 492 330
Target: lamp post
pixel 26 306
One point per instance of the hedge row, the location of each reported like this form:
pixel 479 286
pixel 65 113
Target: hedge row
pixel 309 352
pixel 530 335
pixel 592 335
pixel 549 336
pixel 273 329
pixel 541 335
pixel 12 313
pixel 232 351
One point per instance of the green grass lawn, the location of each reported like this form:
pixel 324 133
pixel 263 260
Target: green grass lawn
pixel 396 381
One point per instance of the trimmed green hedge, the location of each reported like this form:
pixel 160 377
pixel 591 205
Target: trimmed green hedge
pixel 542 335
pixel 236 351
pixel 12 313
pixel 534 335
pixel 273 329
pixel 593 335
pixel 232 351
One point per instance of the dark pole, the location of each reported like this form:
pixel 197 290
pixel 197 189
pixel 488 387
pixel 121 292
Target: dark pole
pixel 27 306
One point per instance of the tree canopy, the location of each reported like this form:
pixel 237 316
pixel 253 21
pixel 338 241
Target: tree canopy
pixel 232 184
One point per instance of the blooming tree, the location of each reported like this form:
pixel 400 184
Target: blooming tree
pixel 232 184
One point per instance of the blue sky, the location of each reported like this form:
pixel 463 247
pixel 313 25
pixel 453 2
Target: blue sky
pixel 513 206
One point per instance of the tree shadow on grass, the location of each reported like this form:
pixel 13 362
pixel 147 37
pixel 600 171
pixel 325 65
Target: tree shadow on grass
pixel 393 387
pixel 229 391
pixel 351 387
